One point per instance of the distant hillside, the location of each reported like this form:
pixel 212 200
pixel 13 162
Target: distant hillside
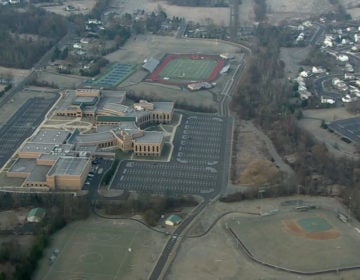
pixel 25 34
pixel 200 3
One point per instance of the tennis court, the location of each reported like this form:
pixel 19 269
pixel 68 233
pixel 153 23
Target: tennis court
pixel 115 75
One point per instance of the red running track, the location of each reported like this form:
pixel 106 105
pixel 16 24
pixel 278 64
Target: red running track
pixel 154 76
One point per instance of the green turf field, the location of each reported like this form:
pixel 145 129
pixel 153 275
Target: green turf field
pixel 188 69
pixel 314 224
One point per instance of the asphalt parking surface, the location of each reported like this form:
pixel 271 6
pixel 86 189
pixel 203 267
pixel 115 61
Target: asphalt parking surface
pixel 21 125
pixel 348 128
pixel 199 163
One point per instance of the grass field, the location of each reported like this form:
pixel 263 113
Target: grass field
pixel 96 249
pixel 314 224
pixel 270 240
pixel 188 69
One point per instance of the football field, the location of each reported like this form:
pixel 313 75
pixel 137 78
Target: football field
pixel 188 69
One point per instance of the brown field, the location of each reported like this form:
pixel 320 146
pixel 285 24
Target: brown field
pixel 216 256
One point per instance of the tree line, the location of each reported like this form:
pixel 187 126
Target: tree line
pixel 150 207
pixel 26 35
pixel 263 96
pixel 60 210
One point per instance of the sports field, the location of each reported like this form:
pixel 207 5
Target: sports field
pixel 302 241
pixel 183 69
pixel 114 75
pixel 99 249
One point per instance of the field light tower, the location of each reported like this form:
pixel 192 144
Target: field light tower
pixel 234 18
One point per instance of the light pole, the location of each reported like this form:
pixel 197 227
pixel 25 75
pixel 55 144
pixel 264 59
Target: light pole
pixel 349 207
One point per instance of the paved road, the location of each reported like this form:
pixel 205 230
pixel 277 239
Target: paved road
pixel 172 241
pixel 318 34
pixel 223 111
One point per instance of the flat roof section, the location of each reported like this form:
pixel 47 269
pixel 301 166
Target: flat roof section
pixel 97 137
pixel 24 165
pixel 68 166
pixel 56 136
pixel 117 108
pixel 86 100
pixel 38 174
pixel 348 128
pixel 150 137
pixel 35 147
pixel 166 107
pixel 151 64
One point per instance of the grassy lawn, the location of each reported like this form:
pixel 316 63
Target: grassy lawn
pixel 10 182
pixel 122 155
pixel 93 250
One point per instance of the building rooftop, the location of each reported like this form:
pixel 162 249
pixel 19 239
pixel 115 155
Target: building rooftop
pixel 56 136
pixel 87 100
pixel 36 212
pixel 68 166
pixel 116 108
pixel 115 118
pixel 150 137
pixel 93 138
pixel 166 107
pixel 86 148
pixel 33 147
pixel 151 64
pixel 38 174
pixel 108 97
pixel 127 125
pixel 174 219
pixel 24 165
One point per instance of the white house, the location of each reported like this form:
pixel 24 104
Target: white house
pixel 343 58
pixel 327 100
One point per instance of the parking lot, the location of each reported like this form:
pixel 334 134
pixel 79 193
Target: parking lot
pixel 21 125
pixel 198 165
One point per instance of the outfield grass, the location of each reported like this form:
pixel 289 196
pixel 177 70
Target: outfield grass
pixel 188 69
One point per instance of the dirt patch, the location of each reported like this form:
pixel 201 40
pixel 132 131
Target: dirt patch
pixel 248 147
pixel 80 7
pixel 293 227
pixel 11 218
pixel 258 172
